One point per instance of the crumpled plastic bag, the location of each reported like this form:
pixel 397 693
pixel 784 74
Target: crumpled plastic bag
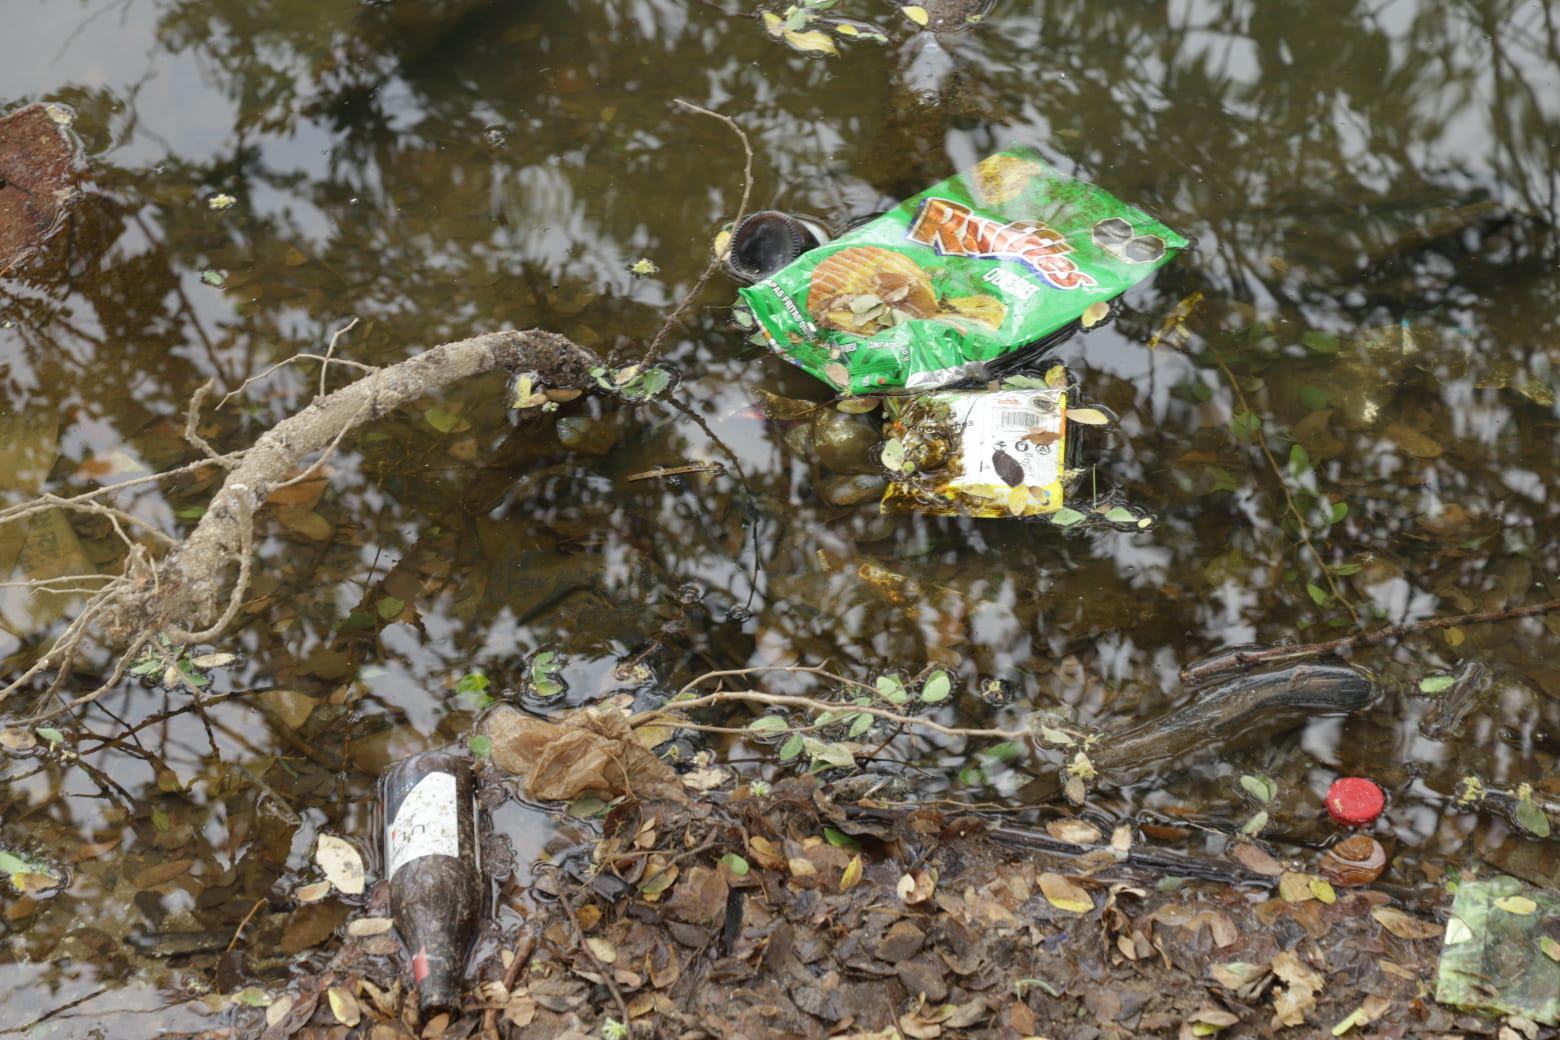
pixel 590 751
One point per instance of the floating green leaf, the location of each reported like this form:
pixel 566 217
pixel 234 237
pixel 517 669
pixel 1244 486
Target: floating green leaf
pixel 769 724
pixel 1338 512
pixel 936 688
pixel 735 864
pixel 1530 817
pixel 1066 517
pixel 50 735
pixel 389 607
pixel 1320 342
pixel 481 745
pixel 1299 460
pixel 893 454
pixel 1121 515
pixel 441 419
pixel 1255 825
pixel 1434 684
pixel 860 724
pixel 1261 788
pixel 644 267
pixel 892 689
pixel 1317 593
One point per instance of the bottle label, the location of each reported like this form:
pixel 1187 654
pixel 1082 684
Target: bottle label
pixel 426 824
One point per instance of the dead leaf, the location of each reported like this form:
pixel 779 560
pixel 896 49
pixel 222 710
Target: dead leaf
pixel 851 875
pixel 812 41
pixel 1295 887
pixel 339 861
pixel 1413 442
pixel 700 898
pixel 307 523
pixel 278 1009
pixel 1064 894
pixel 364 927
pixel 520 1010
pixel 161 873
pixel 765 853
pixel 1088 417
pixel 605 952
pixel 1298 996
pixel 916 887
pixel 292 707
pixel 1094 313
pixel 345 1007
pixel 1074 832
pixel 1256 860
pixel 1404 926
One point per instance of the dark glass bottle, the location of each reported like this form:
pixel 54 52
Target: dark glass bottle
pixel 433 861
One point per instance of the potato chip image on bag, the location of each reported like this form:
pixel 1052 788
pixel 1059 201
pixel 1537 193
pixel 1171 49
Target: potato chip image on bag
pixel 940 289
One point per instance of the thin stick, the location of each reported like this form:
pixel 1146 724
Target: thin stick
pixel 239 931
pixel 525 945
pixel 1283 487
pixel 677 471
pixel 192 420
pixel 1238 660
pixel 780 700
pixel 654 350
pixel 282 364
pixel 606 972
pixel 331 349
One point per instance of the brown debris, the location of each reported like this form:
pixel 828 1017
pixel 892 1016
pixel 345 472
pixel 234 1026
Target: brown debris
pixel 38 172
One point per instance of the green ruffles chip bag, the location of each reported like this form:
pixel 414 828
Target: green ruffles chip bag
pixel 946 286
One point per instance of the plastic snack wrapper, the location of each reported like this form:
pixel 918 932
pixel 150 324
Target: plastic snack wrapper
pixel 983 453
pixel 952 283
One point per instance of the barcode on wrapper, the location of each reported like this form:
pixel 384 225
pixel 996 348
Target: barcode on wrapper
pixel 1018 419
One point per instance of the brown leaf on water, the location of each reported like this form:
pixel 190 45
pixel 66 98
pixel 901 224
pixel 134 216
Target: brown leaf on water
pixel 1074 832
pixel 1256 860
pixel 306 522
pixel 311 925
pixel 160 873
pixel 1295 887
pixel 1404 926
pixel 1413 441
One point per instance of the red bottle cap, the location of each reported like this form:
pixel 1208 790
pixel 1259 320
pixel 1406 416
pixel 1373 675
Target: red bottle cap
pixel 1355 801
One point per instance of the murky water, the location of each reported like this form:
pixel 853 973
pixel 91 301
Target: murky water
pixel 1381 173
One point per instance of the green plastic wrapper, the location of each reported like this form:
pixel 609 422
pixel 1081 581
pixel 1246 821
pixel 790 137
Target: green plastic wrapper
pixel 1500 948
pixel 940 289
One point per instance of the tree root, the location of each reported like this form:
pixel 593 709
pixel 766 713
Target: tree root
pixel 187 594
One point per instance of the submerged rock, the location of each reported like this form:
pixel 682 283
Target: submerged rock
pixel 844 443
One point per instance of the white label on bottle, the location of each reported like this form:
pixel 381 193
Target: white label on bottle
pixel 426 824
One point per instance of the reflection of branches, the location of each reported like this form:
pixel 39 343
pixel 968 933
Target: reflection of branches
pixel 654 350
pixel 1301 527
pixel 1239 660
